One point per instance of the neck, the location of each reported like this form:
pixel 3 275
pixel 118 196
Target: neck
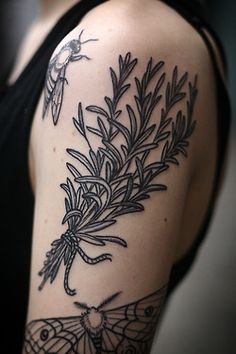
pixel 54 7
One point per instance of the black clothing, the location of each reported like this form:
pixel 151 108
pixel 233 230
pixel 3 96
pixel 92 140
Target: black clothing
pixel 193 12
pixel 17 107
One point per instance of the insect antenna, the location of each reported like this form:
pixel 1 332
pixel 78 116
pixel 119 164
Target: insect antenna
pixel 88 40
pixel 108 300
pixel 80 35
pixel 81 305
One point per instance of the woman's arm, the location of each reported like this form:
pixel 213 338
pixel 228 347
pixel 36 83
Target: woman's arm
pixel 115 155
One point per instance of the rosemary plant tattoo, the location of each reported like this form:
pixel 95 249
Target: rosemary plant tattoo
pixel 56 75
pixel 119 177
pixel 125 329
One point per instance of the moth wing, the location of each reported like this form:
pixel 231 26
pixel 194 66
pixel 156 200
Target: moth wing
pixel 85 345
pixel 117 343
pixel 52 336
pixel 136 321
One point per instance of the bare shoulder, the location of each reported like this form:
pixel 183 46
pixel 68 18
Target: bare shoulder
pixel 149 27
pixel 146 29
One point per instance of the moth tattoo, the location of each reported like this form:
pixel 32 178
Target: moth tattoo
pixel 122 172
pixel 56 75
pixel 126 329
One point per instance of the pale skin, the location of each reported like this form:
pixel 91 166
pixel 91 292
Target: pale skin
pixel 163 233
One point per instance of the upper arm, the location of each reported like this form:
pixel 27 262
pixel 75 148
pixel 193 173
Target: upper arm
pixel 114 152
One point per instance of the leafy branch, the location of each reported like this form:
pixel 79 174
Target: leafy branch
pixel 119 177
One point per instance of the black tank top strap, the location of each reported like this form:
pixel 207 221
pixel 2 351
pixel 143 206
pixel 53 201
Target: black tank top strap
pixel 193 12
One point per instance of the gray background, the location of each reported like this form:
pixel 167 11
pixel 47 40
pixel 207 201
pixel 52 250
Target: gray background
pixel 201 316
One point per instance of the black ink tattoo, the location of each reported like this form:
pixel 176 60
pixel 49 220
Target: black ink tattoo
pixel 125 329
pixel 56 75
pixel 119 176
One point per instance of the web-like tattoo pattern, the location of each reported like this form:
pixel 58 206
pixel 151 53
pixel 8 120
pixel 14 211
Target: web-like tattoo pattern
pixel 119 174
pixel 125 329
pixel 56 75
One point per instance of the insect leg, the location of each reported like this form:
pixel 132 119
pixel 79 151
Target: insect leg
pixel 79 57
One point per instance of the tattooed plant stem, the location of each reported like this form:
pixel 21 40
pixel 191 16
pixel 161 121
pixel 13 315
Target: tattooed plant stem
pixel 67 272
pixel 118 175
pixel 70 247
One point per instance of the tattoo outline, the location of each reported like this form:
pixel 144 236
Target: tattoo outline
pixel 111 188
pixel 56 75
pixel 125 329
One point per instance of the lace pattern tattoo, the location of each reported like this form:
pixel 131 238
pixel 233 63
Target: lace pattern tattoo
pixel 126 329
pixel 56 75
pixel 120 177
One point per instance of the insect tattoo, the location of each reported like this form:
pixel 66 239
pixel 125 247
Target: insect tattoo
pixel 56 75
pixel 125 329
pixel 120 175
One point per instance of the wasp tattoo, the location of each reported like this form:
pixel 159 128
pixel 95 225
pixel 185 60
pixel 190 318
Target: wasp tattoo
pixel 128 329
pixel 56 75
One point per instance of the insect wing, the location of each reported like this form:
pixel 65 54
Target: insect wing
pixel 51 78
pixel 53 336
pixel 57 95
pixel 86 345
pixel 117 344
pixel 137 321
pixel 54 88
